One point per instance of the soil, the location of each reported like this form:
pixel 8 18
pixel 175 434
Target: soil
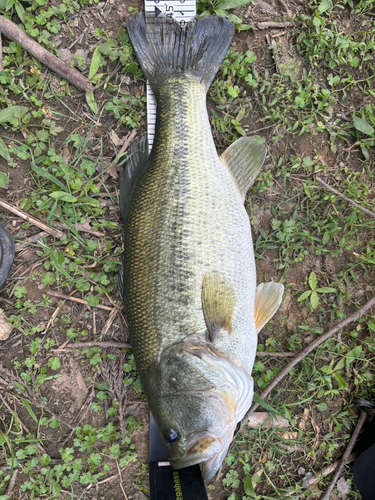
pixel 70 396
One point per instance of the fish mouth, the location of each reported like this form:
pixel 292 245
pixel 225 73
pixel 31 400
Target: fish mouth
pixel 206 449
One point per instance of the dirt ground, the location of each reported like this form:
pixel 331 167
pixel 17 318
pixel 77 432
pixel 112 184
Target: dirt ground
pixel 70 397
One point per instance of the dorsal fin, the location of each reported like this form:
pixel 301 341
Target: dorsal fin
pixel 218 302
pixel 131 173
pixel 245 158
pixel 268 298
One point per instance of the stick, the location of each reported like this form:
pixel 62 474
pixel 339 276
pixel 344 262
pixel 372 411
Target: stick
pixel 110 320
pixel 305 352
pixel 124 148
pixel 78 39
pixel 32 239
pixel 1 53
pixel 80 301
pixel 276 354
pixel 273 24
pixel 120 481
pixel 288 11
pixel 325 472
pixel 32 220
pixel 16 34
pixel 83 345
pixel 12 481
pixel 344 460
pixel 348 200
pixel 111 478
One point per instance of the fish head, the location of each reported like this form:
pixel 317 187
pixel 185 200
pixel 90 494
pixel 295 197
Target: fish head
pixel 201 398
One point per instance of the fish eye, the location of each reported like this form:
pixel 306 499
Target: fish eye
pixel 170 435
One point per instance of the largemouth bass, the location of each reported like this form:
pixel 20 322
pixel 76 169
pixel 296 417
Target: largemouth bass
pixel 188 278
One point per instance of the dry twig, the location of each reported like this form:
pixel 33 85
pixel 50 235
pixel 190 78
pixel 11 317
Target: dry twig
pixel 288 11
pixel 1 53
pixel 31 239
pixel 120 481
pixel 326 472
pixel 305 352
pixel 111 478
pixel 342 196
pixel 12 481
pixel 16 34
pixel 83 345
pixel 276 354
pixel 76 299
pixel 345 458
pixel 110 320
pixel 124 147
pixel 32 220
pixel 273 24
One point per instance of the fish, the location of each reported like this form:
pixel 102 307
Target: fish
pixel 188 277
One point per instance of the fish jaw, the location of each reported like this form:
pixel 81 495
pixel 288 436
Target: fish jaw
pixel 211 466
pixel 207 450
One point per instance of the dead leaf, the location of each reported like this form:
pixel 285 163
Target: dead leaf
pixel 267 420
pixel 66 55
pixel 342 487
pixel 115 138
pixel 304 418
pixel 315 426
pixel 5 326
pixel 113 172
pixel 290 435
pixel 266 7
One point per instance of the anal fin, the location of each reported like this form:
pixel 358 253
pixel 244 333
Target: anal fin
pixel 218 303
pixel 245 158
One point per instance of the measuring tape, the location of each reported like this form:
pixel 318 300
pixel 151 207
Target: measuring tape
pixel 183 11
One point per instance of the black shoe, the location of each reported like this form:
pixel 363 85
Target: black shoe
pixel 364 466
pixel 6 253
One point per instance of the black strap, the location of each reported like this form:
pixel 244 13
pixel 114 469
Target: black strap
pixel 167 483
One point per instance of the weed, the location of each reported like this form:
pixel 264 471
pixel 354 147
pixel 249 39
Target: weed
pixel 314 292
pixel 220 8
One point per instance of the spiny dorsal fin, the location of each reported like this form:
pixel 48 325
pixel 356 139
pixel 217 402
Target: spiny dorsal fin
pixel 268 298
pixel 245 158
pixel 131 173
pixel 218 302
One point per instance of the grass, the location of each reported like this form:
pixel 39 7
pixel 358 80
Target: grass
pixel 315 108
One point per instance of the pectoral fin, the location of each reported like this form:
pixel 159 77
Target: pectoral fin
pixel 268 298
pixel 218 302
pixel 245 158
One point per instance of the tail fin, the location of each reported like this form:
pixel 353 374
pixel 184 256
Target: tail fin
pixel 164 48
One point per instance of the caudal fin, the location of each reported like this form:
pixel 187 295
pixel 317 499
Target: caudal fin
pixel 165 49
